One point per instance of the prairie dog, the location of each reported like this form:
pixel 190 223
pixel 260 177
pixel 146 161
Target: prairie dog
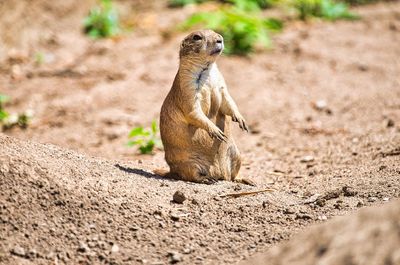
pixel 194 122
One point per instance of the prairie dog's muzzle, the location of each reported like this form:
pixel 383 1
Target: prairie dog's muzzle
pixel 218 47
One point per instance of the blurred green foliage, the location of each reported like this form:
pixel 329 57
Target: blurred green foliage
pixel 102 21
pixel 362 2
pixel 8 120
pixel 239 3
pixel 39 58
pixel 243 27
pixel 326 9
pixel 145 139
pixel 252 5
pixel 3 113
pixel 243 31
pixel 178 3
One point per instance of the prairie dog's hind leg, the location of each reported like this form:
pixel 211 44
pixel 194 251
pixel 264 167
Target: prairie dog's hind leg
pixel 235 161
pixel 189 171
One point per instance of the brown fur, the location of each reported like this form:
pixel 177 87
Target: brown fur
pixel 194 122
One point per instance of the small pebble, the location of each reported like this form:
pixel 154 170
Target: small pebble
pixel 16 72
pixel 363 67
pixel 322 218
pixel 321 202
pixel 32 253
pixel 175 217
pixel 114 248
pixel 321 104
pixel 179 197
pixel 303 216
pixel 133 228
pixel 175 256
pixel 195 202
pixel 217 198
pixel 83 247
pixel 389 123
pixel 307 159
pixel 312 198
pixel 18 251
pixel 289 211
pixel 348 191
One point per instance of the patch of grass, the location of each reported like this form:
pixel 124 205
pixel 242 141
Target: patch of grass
pixel 3 113
pixel 326 9
pixel 266 3
pixel 252 5
pixel 180 3
pixel 39 58
pixel 243 31
pixel 8 120
pixel 145 139
pixel 102 21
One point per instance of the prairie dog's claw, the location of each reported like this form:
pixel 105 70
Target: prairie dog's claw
pixel 218 134
pixel 242 122
pixel 209 181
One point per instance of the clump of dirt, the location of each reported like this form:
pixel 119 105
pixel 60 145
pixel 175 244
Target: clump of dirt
pixel 369 237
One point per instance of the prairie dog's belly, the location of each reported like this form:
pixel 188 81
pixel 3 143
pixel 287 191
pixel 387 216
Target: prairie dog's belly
pixel 211 98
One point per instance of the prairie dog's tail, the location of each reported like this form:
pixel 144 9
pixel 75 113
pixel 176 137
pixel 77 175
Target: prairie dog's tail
pixel 161 172
pixel 166 174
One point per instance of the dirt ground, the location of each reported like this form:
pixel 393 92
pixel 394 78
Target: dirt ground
pixel 324 161
pixel 370 237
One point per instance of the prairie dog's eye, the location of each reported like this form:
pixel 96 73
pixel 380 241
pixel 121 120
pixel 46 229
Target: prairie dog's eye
pixel 197 37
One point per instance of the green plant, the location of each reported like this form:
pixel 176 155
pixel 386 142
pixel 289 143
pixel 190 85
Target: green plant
pixel 243 31
pixel 252 5
pixel 266 3
pixel 145 139
pixel 102 20
pixel 3 113
pixel 178 3
pixel 39 58
pixel 8 120
pixel 327 9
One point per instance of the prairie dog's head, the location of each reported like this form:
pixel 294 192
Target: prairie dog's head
pixel 204 45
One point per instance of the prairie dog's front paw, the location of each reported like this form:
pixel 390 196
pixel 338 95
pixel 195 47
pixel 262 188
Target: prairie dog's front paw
pixel 209 181
pixel 242 123
pixel 216 133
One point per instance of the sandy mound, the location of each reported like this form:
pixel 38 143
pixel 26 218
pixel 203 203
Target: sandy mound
pixel 61 206
pixel 372 236
pixel 64 207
